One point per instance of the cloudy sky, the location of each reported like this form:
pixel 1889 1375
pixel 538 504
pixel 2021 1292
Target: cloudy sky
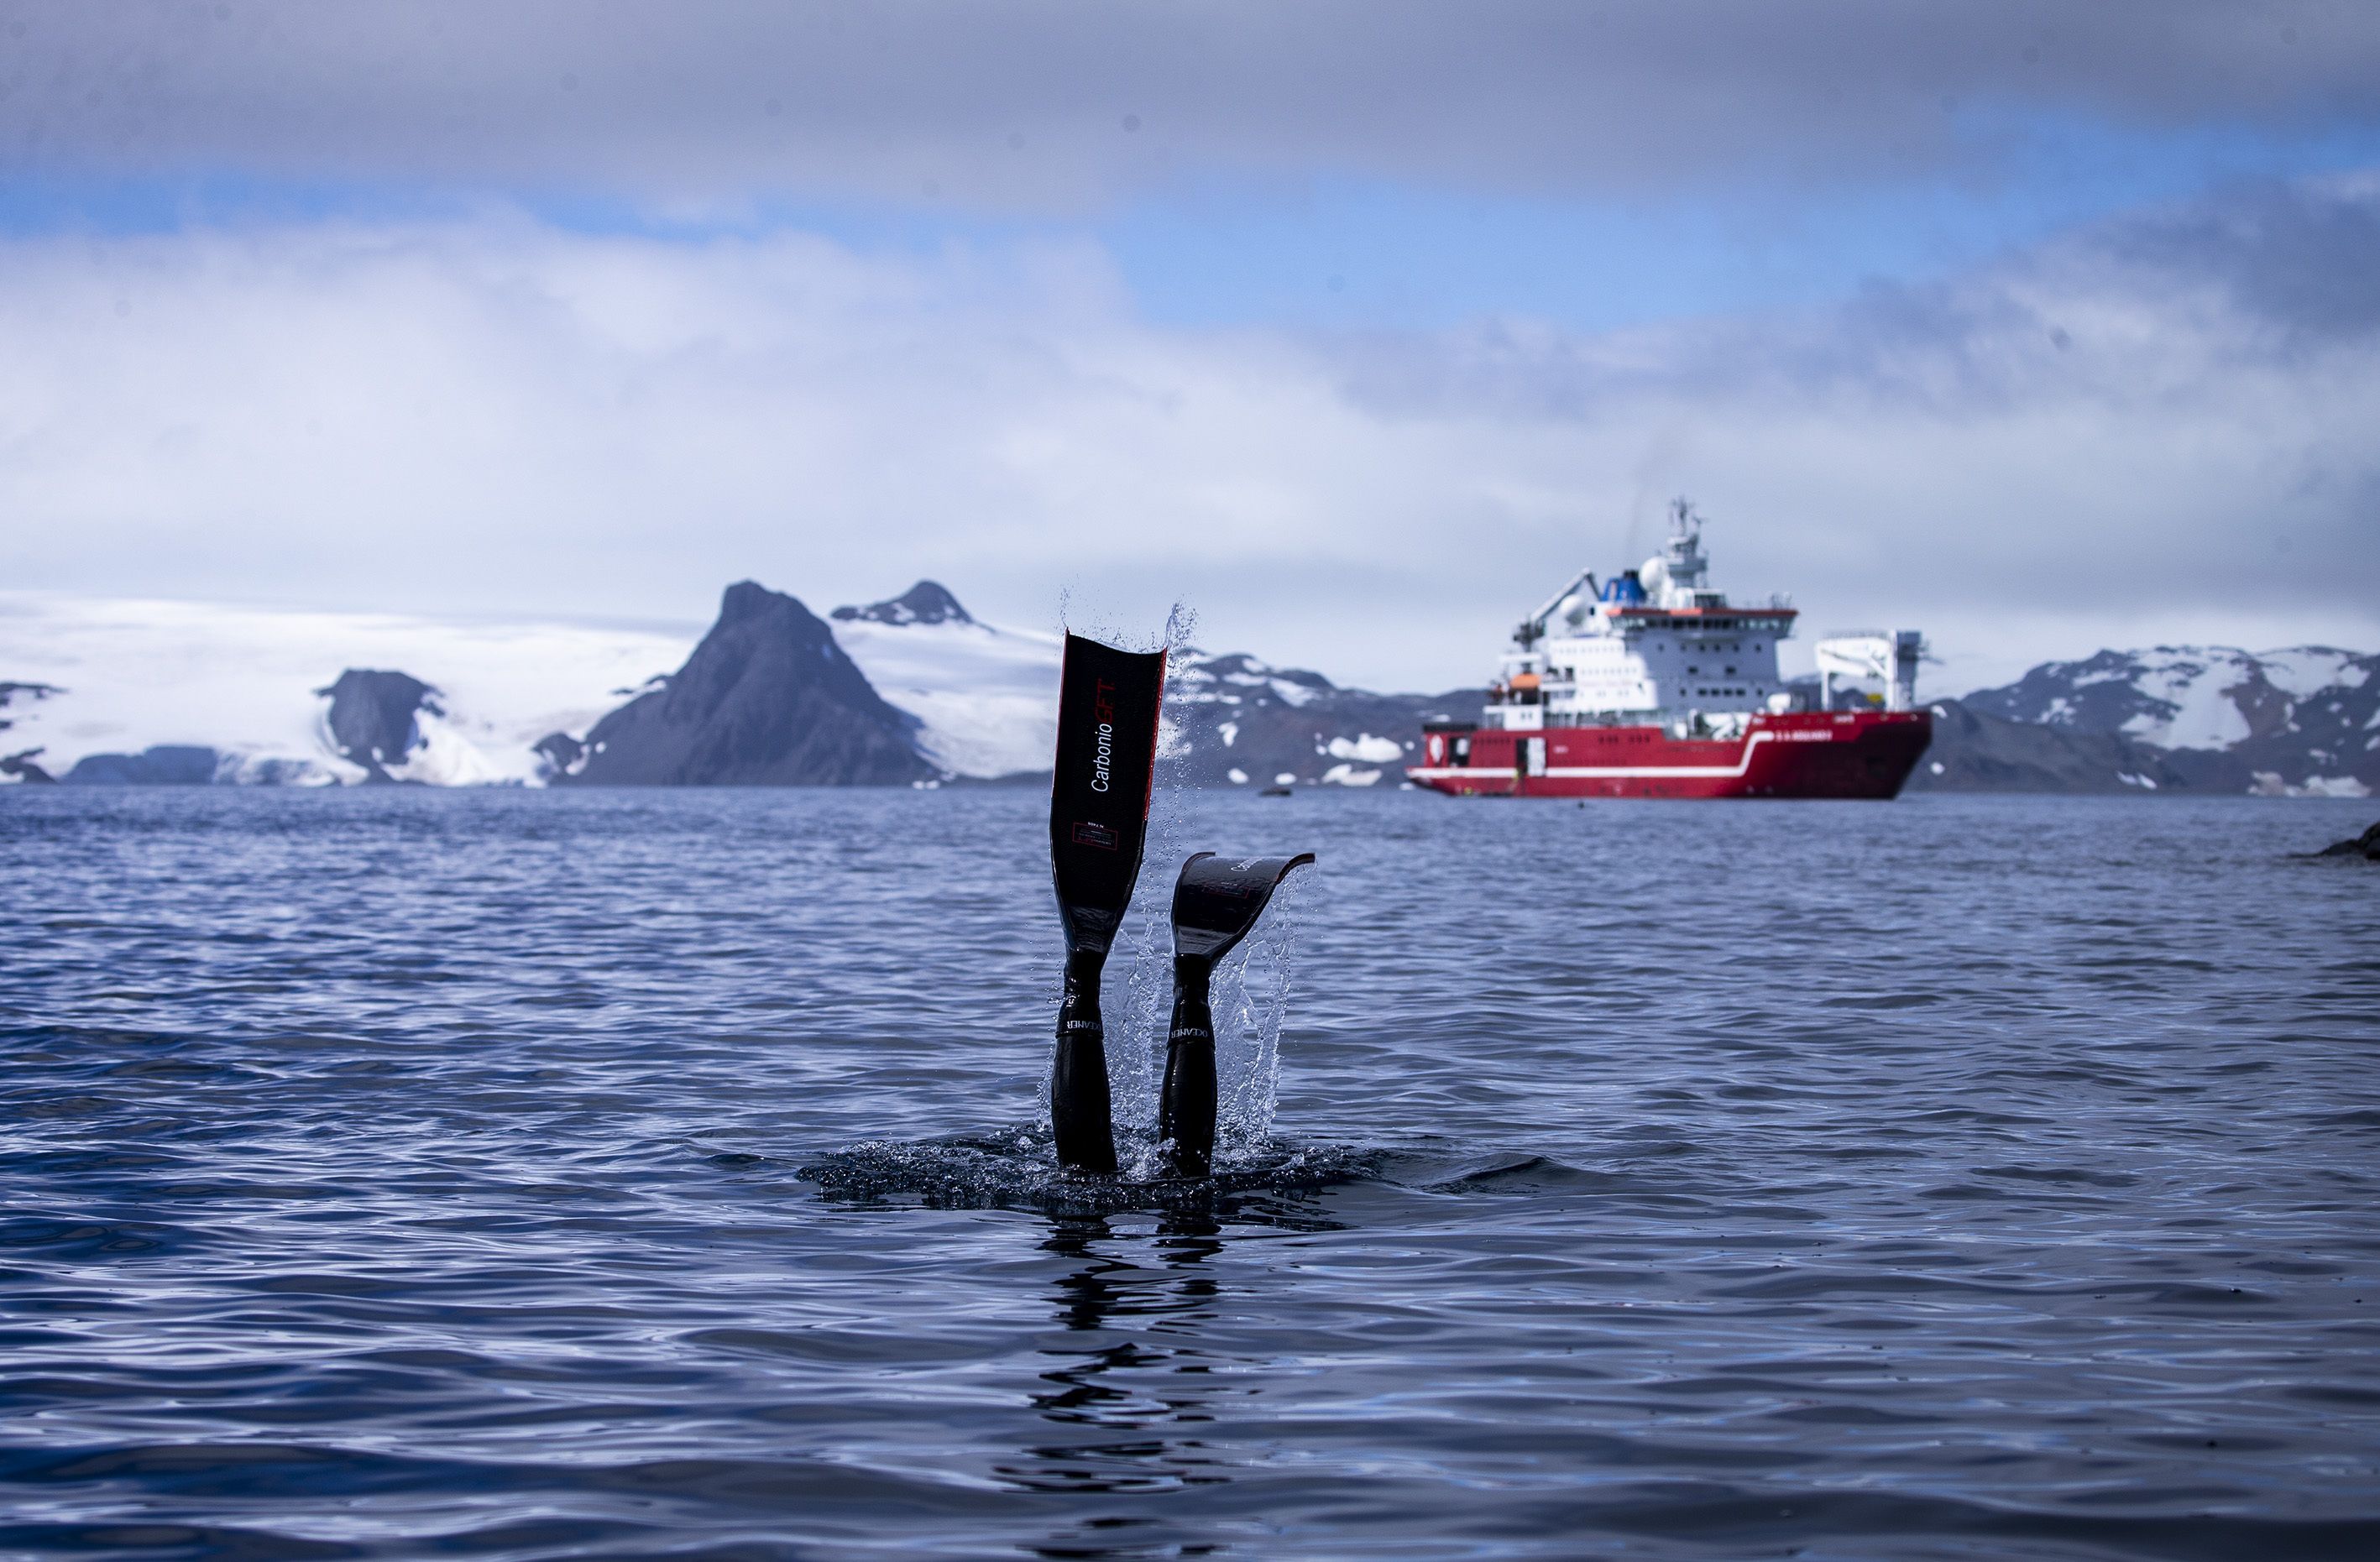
pixel 1355 326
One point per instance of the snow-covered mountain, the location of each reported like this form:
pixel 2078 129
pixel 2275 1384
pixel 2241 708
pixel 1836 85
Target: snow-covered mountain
pixel 1236 722
pixel 152 693
pixel 986 700
pixel 2213 718
pixel 915 688
pixel 767 699
pixel 2192 696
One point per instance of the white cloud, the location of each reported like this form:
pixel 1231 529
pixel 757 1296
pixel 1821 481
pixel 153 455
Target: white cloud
pixel 494 417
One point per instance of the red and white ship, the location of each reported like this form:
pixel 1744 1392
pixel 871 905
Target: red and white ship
pixel 1652 685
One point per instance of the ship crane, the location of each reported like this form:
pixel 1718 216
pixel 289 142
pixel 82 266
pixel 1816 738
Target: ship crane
pixel 1533 628
pixel 1888 656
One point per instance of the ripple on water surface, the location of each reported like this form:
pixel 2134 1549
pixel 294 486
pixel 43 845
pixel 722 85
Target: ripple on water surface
pixel 540 1176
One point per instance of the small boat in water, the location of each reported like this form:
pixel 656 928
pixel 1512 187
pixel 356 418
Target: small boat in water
pixel 1654 685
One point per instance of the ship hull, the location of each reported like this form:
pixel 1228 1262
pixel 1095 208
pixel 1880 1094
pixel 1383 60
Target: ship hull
pixel 1866 754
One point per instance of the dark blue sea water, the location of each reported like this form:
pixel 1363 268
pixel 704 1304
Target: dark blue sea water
pixel 526 1175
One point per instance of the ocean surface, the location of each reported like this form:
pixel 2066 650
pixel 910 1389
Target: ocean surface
pixel 476 1174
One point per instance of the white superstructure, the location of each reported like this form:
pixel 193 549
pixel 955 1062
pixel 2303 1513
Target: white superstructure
pixel 1659 646
pixel 1655 645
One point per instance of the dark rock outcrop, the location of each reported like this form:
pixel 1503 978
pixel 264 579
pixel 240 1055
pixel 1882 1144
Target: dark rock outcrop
pixel 926 602
pixel 2366 845
pixel 13 693
pixel 767 699
pixel 160 764
pixel 559 756
pixel 20 765
pixel 372 718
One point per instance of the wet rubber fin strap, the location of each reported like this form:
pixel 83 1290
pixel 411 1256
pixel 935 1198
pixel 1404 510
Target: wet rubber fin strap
pixel 1108 705
pixel 1216 900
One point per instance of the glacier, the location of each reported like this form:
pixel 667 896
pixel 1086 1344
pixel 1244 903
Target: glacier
pixel 986 698
pixel 132 675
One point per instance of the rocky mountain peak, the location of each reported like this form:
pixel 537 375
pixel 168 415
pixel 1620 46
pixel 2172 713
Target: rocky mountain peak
pixel 927 602
pixel 749 598
pixel 767 699
pixel 372 718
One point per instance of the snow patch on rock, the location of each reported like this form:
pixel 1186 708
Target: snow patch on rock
pixel 2269 783
pixel 2309 671
pixel 2197 693
pixel 446 756
pixel 1365 747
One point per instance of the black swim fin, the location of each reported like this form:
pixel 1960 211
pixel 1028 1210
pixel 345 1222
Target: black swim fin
pixel 1108 702
pixel 1216 900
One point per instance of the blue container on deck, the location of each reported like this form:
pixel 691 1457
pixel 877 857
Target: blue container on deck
pixel 1624 589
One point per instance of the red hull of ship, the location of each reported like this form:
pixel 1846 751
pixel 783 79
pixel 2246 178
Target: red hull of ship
pixel 1817 754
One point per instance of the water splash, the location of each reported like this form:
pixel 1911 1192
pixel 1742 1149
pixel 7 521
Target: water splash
pixel 1017 1167
pixel 1181 623
pixel 1252 999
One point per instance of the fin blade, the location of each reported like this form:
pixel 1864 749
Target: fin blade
pixel 1107 706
